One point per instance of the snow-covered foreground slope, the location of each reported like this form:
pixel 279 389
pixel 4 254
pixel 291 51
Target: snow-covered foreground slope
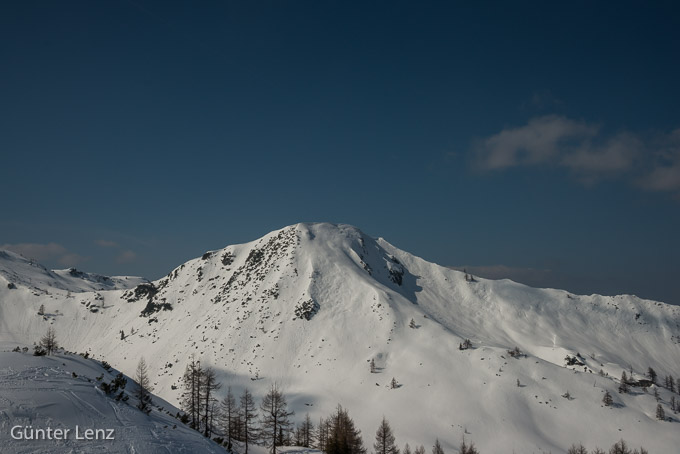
pixel 43 392
pixel 310 305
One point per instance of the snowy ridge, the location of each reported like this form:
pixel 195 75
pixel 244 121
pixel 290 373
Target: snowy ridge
pixel 308 306
pixel 17 270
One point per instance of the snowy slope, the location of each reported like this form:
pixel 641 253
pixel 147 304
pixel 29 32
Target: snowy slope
pixel 308 306
pixel 17 270
pixel 42 392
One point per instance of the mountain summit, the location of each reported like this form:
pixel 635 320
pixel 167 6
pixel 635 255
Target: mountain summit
pixel 312 306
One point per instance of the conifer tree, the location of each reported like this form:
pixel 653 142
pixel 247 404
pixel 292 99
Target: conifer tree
pixel 248 418
pixel 344 437
pixel 191 402
pixel 207 399
pixel 670 383
pixel 228 412
pixel 607 400
pixel 384 439
pixel 372 366
pixel 469 449
pixel 580 449
pixel 420 450
pixel 651 373
pixel 322 433
pixel 620 447
pixel 623 387
pixel 41 310
pixel 144 387
pixel 660 414
pixel 307 432
pixel 437 448
pixel 298 435
pixel 274 418
pixel 49 341
pixel 407 449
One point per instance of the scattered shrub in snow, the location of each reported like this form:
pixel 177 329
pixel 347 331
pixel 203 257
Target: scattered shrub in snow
pixel 228 258
pixel 573 361
pixel 147 290
pixel 306 309
pixel 467 343
pixel 515 353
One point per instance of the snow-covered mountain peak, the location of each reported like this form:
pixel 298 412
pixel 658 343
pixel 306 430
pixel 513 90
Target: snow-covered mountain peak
pixel 311 305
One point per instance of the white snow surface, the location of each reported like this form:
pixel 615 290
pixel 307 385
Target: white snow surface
pixel 243 309
pixel 19 270
pixel 42 392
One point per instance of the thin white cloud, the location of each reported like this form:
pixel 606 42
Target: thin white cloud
pixel 106 243
pixel 585 151
pixel 71 259
pixel 542 140
pixel 542 99
pixel 45 252
pixel 665 174
pixel 126 256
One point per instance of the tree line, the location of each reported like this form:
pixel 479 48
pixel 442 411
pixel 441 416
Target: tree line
pixel 269 424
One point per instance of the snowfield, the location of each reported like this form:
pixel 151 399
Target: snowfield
pixel 42 392
pixel 310 305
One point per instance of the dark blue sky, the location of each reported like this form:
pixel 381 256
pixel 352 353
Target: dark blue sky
pixel 539 142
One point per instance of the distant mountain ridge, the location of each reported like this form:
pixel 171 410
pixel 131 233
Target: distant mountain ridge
pixel 17 269
pixel 310 305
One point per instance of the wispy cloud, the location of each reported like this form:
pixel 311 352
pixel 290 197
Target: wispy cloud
pixel 586 152
pixel 106 243
pixel 126 256
pixel 543 139
pixel 122 256
pixel 46 252
pixel 665 173
pixel 542 99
